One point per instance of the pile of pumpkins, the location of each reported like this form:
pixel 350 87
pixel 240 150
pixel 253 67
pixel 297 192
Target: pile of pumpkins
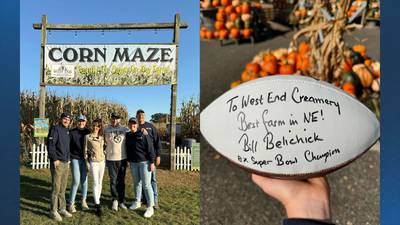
pixel 233 20
pixel 360 72
pixel 360 75
pixel 279 61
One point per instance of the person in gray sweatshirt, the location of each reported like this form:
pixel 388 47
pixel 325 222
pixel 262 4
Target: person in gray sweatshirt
pixel 114 136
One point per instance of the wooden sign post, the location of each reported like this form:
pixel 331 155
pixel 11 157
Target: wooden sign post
pixel 176 26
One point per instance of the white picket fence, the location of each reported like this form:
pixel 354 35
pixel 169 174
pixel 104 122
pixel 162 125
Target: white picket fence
pixel 39 157
pixel 182 155
pixel 183 158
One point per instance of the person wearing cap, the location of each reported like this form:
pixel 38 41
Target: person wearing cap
pixel 58 143
pixel 114 136
pixel 152 131
pixel 94 154
pixel 141 156
pixel 78 163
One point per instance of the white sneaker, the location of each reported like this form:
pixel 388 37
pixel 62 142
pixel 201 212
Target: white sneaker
pixel 56 216
pixel 71 208
pixel 149 212
pixel 84 204
pixel 115 205
pixel 65 213
pixel 122 206
pixel 135 205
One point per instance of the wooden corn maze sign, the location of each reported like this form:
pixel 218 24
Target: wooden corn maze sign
pixel 121 65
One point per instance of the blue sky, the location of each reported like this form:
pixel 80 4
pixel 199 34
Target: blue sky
pixel 151 98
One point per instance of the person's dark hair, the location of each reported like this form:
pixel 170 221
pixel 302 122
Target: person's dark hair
pixel 139 111
pixel 98 122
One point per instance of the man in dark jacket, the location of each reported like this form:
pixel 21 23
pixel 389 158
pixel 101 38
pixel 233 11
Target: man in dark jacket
pixel 58 142
pixel 152 132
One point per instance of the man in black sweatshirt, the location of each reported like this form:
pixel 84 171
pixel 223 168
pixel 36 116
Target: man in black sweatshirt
pixel 58 142
pixel 152 131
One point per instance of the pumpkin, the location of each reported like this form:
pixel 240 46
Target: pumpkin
pixel 286 69
pixel 245 7
pixel 279 52
pixel 223 34
pixel 351 77
pixel 376 67
pixel 233 16
pixel 303 64
pixel 270 67
pixel 220 16
pixel 347 65
pixel 235 3
pixel 360 49
pixel 349 88
pixel 252 67
pixel 297 13
pixel 304 47
pixel 203 34
pixel 235 83
pixel 229 9
pixel 219 25
pixel 364 74
pixel 215 3
pixel 209 34
pixel 238 9
pixel 234 33
pixel 205 4
pixel 269 57
pixel 292 57
pixel 229 25
pixel 216 34
pixel 376 85
pixel 225 2
pixel 221 10
pixel 303 12
pixel 263 73
pixel 368 62
pixel 246 17
pixel 246 76
pixel 247 32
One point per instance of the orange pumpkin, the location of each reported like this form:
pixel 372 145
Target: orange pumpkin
pixel 303 12
pixel 247 32
pixel 270 67
pixel 269 58
pixel 216 34
pixel 225 2
pixel 220 16
pixel 234 33
pixel 263 73
pixel 286 69
pixel 303 64
pixel 233 16
pixel 360 49
pixel 238 9
pixel 252 68
pixel 349 88
pixel 203 34
pixel 368 62
pixel 246 76
pixel 215 3
pixel 209 34
pixel 221 10
pixel 229 9
pixel 292 57
pixel 304 47
pixel 219 25
pixel 245 7
pixel 223 34
pixel 235 83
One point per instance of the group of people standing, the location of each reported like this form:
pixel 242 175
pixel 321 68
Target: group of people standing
pixel 97 148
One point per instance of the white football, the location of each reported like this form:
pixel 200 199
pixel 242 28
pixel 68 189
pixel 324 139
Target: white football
pixel 289 126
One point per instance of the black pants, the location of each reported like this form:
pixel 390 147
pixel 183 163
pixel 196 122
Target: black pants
pixel 116 171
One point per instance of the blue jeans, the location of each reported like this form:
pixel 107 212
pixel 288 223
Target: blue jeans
pixel 154 184
pixel 142 176
pixel 79 176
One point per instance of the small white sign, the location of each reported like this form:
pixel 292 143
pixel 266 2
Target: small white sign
pixel 67 71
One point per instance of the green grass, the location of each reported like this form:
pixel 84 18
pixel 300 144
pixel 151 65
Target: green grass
pixel 179 199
